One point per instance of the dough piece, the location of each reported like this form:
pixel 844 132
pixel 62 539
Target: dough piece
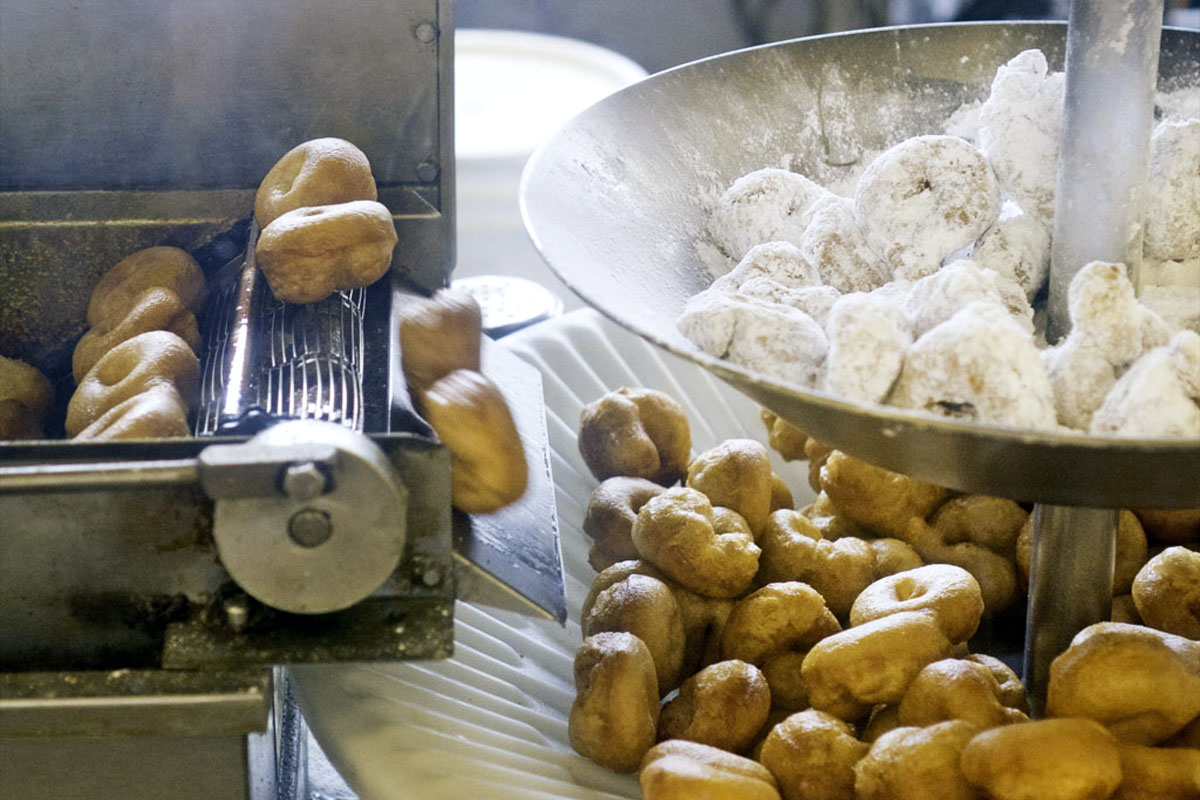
pixel 955 688
pixel 646 607
pixel 779 262
pixel 25 397
pixel 611 511
pixel 157 413
pixel 979 365
pixel 155 309
pixel 119 289
pixel 924 199
pixel 438 335
pixel 877 499
pixel 318 172
pixel 129 369
pixel 488 469
pixel 311 252
pixel 867 341
pixel 1173 200
pixel 837 245
pixel 949 594
pixel 1020 129
pixel 766 205
pixel 1016 247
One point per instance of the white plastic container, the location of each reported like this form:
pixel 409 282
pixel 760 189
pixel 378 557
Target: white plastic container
pixel 512 91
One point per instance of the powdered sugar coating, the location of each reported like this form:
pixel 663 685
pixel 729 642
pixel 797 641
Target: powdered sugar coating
pixel 980 365
pixel 1104 311
pixel 867 341
pixel 1173 197
pixel 1017 246
pixel 1184 349
pixel 924 199
pixel 837 245
pixel 1020 128
pixel 1152 398
pixel 816 301
pixel 781 262
pixel 937 297
pixel 766 205
pixel 1081 377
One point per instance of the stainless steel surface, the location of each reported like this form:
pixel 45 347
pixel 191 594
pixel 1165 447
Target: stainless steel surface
pixel 1070 585
pixel 1111 71
pixel 617 199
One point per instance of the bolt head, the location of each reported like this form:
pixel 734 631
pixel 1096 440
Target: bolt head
pixel 304 481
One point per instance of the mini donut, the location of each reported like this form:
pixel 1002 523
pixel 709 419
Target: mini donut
pixel 812 301
pixel 788 616
pixel 868 337
pixel 635 432
pixel 438 335
pixel 1080 377
pixel 1170 526
pixel 155 309
pixel 1141 683
pixel 678 532
pixel 883 718
pixel 924 199
pixel 488 468
pixel 949 593
pixel 1016 247
pixel 1161 773
pixel 812 756
pixel 157 413
pixel 850 672
pixel 1048 759
pixel 681 770
pixel 783 437
pixel 955 688
pixel 1172 211
pixel 645 607
pixel 1012 691
pixel 129 369
pixel 916 763
pixel 936 298
pixel 723 705
pixel 25 397
pixel 1166 592
pixel 793 550
pixel 1152 398
pixel 611 511
pixel 735 474
pixel 766 205
pixel 836 245
pixel 615 713
pixel 1104 311
pixel 318 172
pixel 816 453
pixel 788 690
pixel 166 267
pixel 877 499
pixel 995 574
pixel 781 263
pixel 311 252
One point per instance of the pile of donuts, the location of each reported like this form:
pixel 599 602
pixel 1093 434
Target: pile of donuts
pixel 736 647
pixel 917 286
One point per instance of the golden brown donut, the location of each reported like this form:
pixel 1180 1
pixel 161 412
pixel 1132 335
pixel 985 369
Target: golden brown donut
pixel 129 369
pixel 831 522
pixel 1012 691
pixel 642 433
pixel 312 252
pixel 1048 759
pixel 165 267
pixel 157 413
pixel 615 713
pixel 438 335
pixel 949 593
pixel 487 459
pixel 25 397
pixel 156 309
pixel 893 555
pixel 611 511
pixel 318 172
pixel 996 574
pixel 645 607
pixel 780 617
pixel 1158 773
pixel 736 474
pixel 681 770
pixel 723 705
pixel 793 550
pixel 679 533
pixel 916 763
pixel 878 499
pixel 1167 592
pixel 956 688
pixel 1171 526
pixel 812 756
pixel 1143 684
pixel 783 437
pixel 991 522
pixel 850 672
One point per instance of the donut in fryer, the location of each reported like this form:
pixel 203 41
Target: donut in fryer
pixel 119 289
pixel 25 397
pixel 924 199
pixel 309 253
pixel 318 172
pixel 158 308
pixel 130 368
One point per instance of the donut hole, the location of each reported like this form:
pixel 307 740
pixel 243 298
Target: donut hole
pixel 909 589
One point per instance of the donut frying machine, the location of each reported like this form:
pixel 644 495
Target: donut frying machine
pixel 617 200
pixel 149 589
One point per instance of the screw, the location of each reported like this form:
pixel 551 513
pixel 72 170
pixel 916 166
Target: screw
pixel 425 32
pixel 236 612
pixel 310 527
pixel 431 576
pixel 428 171
pixel 304 481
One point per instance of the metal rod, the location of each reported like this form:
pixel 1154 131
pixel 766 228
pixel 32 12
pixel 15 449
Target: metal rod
pixel 1111 75
pixel 93 476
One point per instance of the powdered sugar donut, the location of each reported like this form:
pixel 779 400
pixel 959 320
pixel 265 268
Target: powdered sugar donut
pixel 1017 247
pixel 816 301
pixel 924 199
pixel 867 340
pixel 980 365
pixel 1081 378
pixel 1156 396
pixel 781 262
pixel 1105 312
pixel 1173 200
pixel 835 243
pixel 937 297
pixel 1020 128
pixel 766 205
